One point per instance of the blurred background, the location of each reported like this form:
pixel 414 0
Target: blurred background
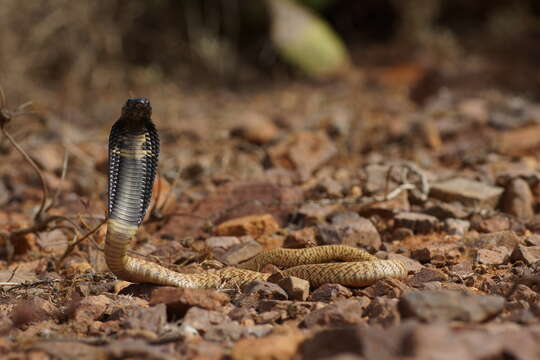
pixel 259 89
pixel 61 52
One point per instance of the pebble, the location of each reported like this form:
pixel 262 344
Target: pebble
pixel 330 292
pixel 272 347
pixel 265 290
pixel 356 231
pixel 518 199
pixel 240 252
pixel 435 252
pixel 468 192
pixel 252 225
pixel 456 226
pixel 448 305
pixel 383 311
pixel 296 288
pixel 305 237
pixel 180 300
pixel 528 254
pixel 508 239
pixel 152 318
pixel 418 223
pixel 444 210
pixel 304 151
pixel 257 129
pixel 496 256
pixel 427 275
pixel 341 313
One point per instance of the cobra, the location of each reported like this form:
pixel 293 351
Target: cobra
pixel 133 162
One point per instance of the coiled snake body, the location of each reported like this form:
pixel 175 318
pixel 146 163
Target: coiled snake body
pixel 133 159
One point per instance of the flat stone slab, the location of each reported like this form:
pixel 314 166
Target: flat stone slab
pixel 468 192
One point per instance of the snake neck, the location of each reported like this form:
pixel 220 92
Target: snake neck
pixel 117 242
pixel 133 158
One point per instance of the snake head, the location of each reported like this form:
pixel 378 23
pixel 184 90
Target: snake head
pixel 137 111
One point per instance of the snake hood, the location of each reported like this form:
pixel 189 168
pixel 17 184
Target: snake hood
pixel 133 161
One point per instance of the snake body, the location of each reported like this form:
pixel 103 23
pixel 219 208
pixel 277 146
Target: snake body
pixel 133 161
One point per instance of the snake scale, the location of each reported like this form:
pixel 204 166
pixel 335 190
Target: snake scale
pixel 133 161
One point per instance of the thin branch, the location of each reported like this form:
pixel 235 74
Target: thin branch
pixel 29 284
pixel 59 187
pixel 2 98
pixel 38 171
pixel 77 242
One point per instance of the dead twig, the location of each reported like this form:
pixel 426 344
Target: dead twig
pixel 78 241
pixel 59 188
pixel 28 284
pixel 34 166
pixel 41 222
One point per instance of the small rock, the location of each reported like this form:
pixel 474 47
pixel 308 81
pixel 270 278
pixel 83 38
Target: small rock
pixel 330 292
pixel 356 231
pixel 447 305
pixel 303 151
pixel 468 192
pixel 257 129
pixel 534 224
pixel 401 233
pixel 202 319
pixel 389 287
pixel 435 253
pixel 179 300
pixel 302 238
pixel 444 211
pixel 462 269
pixel 518 199
pixel 532 240
pixel 495 223
pixel 314 214
pixel 296 288
pixel 456 226
pixel 91 308
pixel 528 254
pixel 497 256
pixel 376 176
pixel 241 252
pixel 269 317
pixel 77 268
pixel 512 142
pixel 383 311
pixel 419 223
pixel 151 319
pixel 427 275
pixel 31 311
pixel 330 342
pixel 341 313
pixel 265 290
pixel 330 188
pixel 508 239
pixel 221 242
pixel 252 225
pixel 272 347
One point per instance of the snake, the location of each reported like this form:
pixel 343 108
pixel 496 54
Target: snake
pixel 133 162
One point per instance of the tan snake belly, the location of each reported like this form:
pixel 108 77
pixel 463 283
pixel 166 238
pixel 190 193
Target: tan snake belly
pixel 133 158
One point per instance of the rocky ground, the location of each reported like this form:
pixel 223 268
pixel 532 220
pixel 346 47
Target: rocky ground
pixel 449 184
